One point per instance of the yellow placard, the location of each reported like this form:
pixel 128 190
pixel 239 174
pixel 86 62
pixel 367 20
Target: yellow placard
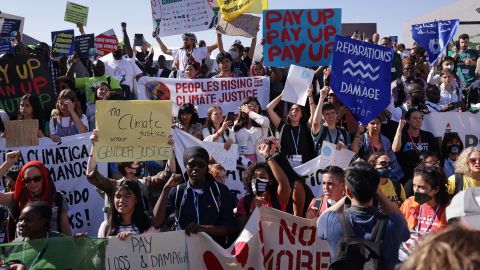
pixel 231 9
pixel 135 130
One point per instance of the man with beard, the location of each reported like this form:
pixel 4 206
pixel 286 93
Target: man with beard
pixel 415 99
pixel 408 77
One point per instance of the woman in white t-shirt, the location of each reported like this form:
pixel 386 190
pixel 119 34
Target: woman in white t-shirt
pixel 67 118
pixel 216 128
pixel 249 129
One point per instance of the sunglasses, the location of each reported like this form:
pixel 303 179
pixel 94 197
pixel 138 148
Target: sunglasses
pixel 199 164
pixel 35 179
pixel 474 160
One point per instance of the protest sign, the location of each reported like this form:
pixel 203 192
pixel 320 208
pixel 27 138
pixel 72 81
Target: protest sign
pixel 298 80
pixel 85 46
pixel 76 13
pixel 9 27
pixel 148 251
pixel 21 132
pixel 302 37
pixel 172 17
pixel 203 93
pixel 271 239
pixel 464 123
pixel 106 43
pixel 434 36
pixel 313 168
pixel 245 25
pixel 63 43
pixel 57 253
pixel 20 75
pixel 133 130
pixel 232 9
pixel 360 77
pixel 5 46
pixel 67 163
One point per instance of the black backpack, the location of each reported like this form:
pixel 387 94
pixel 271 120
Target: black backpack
pixel 353 252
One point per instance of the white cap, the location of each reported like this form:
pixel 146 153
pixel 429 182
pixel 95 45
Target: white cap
pixel 466 205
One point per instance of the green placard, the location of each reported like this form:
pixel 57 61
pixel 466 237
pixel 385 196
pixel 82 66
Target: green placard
pixel 76 13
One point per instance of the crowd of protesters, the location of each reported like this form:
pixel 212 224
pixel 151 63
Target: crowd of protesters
pixel 402 177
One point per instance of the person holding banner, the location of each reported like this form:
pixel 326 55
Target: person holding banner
pixel 225 66
pixel 67 118
pixel 467 171
pixel 33 222
pixel 250 128
pixel 217 128
pixel 31 108
pixel 201 204
pixel 33 184
pixel 189 121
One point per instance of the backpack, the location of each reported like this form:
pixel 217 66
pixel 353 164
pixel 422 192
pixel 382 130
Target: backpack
pixel 353 252
pixel 323 136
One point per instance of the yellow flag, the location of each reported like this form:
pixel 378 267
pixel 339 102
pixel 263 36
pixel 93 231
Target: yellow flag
pixel 231 9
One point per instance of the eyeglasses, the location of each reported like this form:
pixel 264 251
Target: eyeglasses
pixel 384 163
pixel 431 163
pixel 198 164
pixel 35 179
pixel 474 160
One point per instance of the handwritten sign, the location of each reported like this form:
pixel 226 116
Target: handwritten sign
pixel 133 130
pixel 298 80
pixel 148 251
pixel 434 36
pixel 63 43
pixel 20 75
pixel 76 13
pixel 106 43
pixel 21 132
pixel 85 45
pixel 304 36
pixel 360 77
pixel 203 93
pixel 245 25
pixel 172 17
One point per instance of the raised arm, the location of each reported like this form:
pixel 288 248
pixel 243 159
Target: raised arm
pixel 80 28
pixel 164 48
pixel 212 47
pixel 253 44
pixel 271 110
pixel 397 140
pixel 11 159
pixel 317 115
pixel 126 41
pixel 220 42
pixel 160 209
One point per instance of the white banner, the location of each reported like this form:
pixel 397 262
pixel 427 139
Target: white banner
pixel 313 168
pixel 298 80
pixel 289 242
pixel 172 17
pixel 67 162
pixel 204 93
pixel 466 124
pixel 166 250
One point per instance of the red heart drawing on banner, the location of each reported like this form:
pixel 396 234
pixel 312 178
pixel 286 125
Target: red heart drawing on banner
pixel 240 251
pixel 211 261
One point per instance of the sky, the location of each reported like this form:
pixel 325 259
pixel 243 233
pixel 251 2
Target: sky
pixel 43 17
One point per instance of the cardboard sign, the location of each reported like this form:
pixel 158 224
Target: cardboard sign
pixel 300 36
pixel 106 43
pixel 85 46
pixel 21 133
pixel 203 93
pixel 9 27
pixel 360 77
pixel 434 36
pixel 63 43
pixel 173 17
pixel 298 80
pixel 76 13
pixel 66 163
pixel 5 46
pixel 134 130
pixel 148 251
pixel 245 25
pixel 20 75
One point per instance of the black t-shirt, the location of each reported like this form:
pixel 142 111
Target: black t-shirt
pixel 296 141
pixel 411 149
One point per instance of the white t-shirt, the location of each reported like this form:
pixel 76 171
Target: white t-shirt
pixel 124 71
pixel 198 54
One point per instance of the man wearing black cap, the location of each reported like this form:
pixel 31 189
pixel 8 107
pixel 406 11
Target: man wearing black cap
pixel 201 204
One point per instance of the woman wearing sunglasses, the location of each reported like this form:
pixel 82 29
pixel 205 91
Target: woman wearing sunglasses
pixel 393 190
pixel 425 211
pixel 33 184
pixel 467 171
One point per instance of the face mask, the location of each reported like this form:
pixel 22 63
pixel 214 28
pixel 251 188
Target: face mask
pixel 234 54
pixel 259 186
pixel 422 198
pixel 454 149
pixel 384 172
pixel 450 67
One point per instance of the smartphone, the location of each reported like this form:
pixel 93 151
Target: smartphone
pixel 230 118
pixel 138 40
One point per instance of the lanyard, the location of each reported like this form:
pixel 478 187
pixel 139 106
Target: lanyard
pixel 415 145
pixel 373 147
pixel 417 228
pixel 330 136
pixel 295 143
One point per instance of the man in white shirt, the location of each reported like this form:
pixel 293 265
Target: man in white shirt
pixel 124 70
